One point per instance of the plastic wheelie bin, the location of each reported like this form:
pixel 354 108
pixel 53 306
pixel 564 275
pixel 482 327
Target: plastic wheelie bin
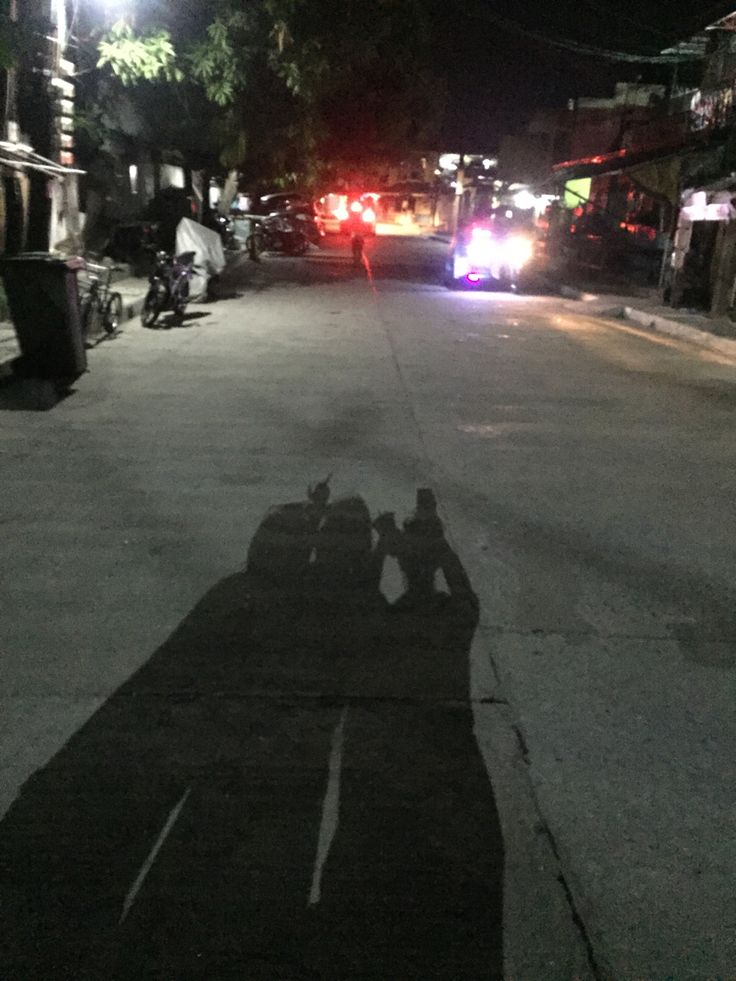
pixel 44 306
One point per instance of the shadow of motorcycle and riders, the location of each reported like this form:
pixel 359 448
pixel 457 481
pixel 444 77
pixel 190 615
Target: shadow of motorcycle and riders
pixel 290 786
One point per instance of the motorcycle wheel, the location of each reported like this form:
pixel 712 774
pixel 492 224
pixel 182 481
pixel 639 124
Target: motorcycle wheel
pixel 152 307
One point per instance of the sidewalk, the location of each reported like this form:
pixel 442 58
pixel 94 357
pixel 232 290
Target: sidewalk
pixel 718 334
pixel 131 288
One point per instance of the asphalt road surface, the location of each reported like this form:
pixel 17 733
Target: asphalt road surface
pixel 251 731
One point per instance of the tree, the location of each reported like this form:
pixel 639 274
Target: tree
pixel 289 84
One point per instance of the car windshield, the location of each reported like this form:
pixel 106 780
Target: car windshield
pixel 282 202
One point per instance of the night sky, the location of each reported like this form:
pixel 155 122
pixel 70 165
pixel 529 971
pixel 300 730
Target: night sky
pixel 499 74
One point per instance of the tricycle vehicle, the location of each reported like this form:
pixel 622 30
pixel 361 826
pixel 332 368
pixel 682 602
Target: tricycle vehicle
pixel 488 251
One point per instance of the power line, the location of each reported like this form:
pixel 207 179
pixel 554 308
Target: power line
pixel 586 50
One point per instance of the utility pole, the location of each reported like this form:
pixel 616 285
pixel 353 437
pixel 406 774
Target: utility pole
pixel 46 121
pixel 10 129
pixel 64 222
pixel 459 191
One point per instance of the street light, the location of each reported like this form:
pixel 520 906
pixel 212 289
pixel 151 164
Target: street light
pixel 117 10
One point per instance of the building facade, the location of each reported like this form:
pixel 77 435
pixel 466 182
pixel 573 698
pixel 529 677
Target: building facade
pixel 39 179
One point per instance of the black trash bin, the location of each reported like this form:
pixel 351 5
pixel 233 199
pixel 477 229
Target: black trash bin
pixel 44 305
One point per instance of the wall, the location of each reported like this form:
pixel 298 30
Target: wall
pixel 525 159
pixel 720 66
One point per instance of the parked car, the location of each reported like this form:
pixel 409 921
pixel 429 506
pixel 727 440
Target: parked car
pixel 268 204
pixel 296 207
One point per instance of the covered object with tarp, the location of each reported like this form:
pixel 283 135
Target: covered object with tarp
pixel 209 255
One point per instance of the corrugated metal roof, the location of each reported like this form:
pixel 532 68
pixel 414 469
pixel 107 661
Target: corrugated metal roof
pixel 21 156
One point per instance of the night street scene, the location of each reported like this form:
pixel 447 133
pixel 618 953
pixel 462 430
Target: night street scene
pixel 367 490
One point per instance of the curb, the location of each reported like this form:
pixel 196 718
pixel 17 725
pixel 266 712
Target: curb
pixel 653 321
pixel 132 307
pixel 675 328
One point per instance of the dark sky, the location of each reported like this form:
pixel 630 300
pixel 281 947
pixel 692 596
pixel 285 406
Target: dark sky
pixel 499 74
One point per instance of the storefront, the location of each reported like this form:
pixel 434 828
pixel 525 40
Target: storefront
pixel 704 250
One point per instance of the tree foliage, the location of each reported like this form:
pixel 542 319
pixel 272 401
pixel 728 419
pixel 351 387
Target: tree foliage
pixel 139 57
pixel 289 82
pixel 214 63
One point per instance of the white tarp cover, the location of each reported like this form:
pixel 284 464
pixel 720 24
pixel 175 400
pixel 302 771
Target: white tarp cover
pixel 209 255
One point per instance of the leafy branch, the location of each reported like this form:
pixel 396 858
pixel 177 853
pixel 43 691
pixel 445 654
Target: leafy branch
pixel 214 64
pixel 144 57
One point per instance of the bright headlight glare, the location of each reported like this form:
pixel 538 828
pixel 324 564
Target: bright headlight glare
pixel 482 253
pixel 460 267
pixel 519 250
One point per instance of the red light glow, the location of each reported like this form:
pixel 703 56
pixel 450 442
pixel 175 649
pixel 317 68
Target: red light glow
pixel 599 158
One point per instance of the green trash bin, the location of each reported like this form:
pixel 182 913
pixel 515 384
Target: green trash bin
pixel 44 306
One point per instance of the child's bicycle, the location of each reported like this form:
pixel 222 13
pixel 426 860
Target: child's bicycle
pixel 100 307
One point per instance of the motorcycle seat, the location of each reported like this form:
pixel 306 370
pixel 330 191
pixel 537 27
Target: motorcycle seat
pixel 186 258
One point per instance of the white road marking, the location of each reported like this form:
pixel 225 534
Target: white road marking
pixel 330 810
pixel 146 867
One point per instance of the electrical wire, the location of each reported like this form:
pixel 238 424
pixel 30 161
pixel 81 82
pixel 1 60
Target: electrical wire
pixel 585 50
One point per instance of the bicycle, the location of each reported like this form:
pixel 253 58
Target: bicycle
pixel 100 307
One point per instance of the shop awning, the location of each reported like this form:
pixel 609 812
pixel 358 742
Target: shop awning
pixel 661 173
pixel 24 157
pixel 659 178
pixel 593 166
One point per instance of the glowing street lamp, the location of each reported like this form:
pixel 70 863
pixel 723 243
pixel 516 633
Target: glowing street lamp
pixel 524 200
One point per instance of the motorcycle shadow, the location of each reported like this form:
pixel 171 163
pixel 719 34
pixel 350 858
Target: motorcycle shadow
pixel 172 320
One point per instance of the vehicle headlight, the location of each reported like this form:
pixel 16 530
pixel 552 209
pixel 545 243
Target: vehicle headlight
pixel 519 251
pixel 482 252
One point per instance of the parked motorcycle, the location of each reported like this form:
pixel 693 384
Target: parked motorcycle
pixel 169 286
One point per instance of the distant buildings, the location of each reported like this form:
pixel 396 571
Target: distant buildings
pixel 646 178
